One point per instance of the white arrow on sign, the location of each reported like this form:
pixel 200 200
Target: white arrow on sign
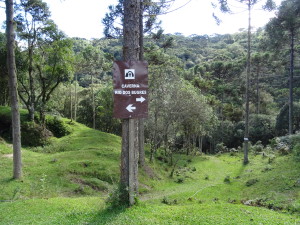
pixel 130 108
pixel 141 99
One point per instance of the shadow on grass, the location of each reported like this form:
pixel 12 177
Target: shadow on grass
pixel 242 169
pixel 6 180
pixel 107 215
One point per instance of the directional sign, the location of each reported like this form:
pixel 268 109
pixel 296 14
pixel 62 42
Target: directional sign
pixel 141 99
pixel 130 89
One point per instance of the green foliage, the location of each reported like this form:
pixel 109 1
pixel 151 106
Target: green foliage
pixel 167 201
pixel 4 92
pixel 251 182
pixel 74 173
pixel 4 148
pixel 220 147
pixel 179 180
pixel 296 151
pixel 117 197
pixel 57 126
pixel 258 147
pixel 111 21
pixel 224 134
pixel 261 128
pixel 34 134
pixel 227 180
pixel 282 119
pixel 105 120
pixel 295 139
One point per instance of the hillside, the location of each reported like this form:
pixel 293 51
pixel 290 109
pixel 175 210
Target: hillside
pixel 68 182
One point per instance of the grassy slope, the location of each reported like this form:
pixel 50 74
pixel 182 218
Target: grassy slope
pixel 69 187
pixel 83 158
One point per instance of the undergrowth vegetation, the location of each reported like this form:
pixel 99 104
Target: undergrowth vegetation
pixel 69 180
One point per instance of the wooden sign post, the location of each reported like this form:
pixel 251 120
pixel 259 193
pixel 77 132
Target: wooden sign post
pixel 130 103
pixel 130 142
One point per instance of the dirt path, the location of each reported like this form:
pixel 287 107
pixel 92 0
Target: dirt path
pixel 10 156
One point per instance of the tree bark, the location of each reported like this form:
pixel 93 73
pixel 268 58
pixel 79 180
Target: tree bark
pixel 200 144
pixel 31 86
pixel 71 103
pixel 141 121
pixel 75 100
pixel 291 83
pixel 16 132
pixel 257 90
pixel 93 102
pixel 129 154
pixel 246 136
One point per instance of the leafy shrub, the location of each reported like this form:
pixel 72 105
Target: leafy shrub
pixel 296 151
pixel 57 127
pixel 5 126
pixel 294 139
pixel 167 201
pixel 234 150
pixel 251 182
pixel 258 147
pixel 227 179
pixel 271 158
pixel 179 180
pixel 224 133
pixel 267 168
pixel 283 117
pixel 261 128
pixel 238 134
pixel 294 208
pixel 118 197
pixel 220 147
pixel 281 145
pixel 52 148
pixel 34 134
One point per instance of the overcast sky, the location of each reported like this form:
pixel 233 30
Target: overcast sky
pixel 82 18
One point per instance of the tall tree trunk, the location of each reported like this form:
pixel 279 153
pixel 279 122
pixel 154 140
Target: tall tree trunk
pixel 129 154
pixel 17 157
pixel 154 144
pixel 257 90
pixel 200 144
pixel 222 115
pixel 75 100
pixel 71 103
pixel 31 84
pixel 291 83
pixel 93 103
pixel 246 137
pixel 141 121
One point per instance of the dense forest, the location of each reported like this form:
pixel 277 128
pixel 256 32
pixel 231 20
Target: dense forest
pixel 197 83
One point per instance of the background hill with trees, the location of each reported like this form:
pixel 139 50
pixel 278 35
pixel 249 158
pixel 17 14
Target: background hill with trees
pixel 197 87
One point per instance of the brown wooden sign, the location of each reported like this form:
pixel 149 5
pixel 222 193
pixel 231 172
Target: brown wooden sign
pixel 130 89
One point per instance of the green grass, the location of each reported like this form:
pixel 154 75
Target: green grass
pixel 61 174
pixel 92 210
pixel 6 113
pixel 68 181
pixel 4 147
